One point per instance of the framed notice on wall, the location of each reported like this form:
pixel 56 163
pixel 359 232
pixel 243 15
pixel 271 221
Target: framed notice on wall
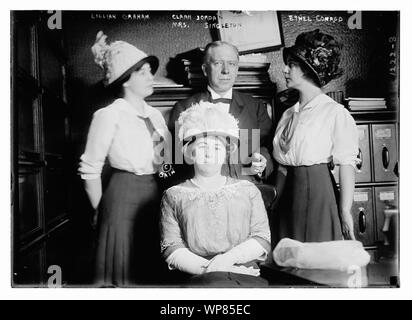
pixel 251 31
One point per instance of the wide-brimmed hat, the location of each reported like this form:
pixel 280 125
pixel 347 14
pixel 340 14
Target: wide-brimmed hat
pixel 320 52
pixel 208 119
pixel 120 59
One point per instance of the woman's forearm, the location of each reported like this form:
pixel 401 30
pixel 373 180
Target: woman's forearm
pixel 347 188
pixel 94 191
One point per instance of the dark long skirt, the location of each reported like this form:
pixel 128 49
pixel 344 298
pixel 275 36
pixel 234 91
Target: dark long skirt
pixel 128 239
pixel 308 209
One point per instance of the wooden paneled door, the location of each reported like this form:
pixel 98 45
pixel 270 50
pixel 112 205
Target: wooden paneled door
pixel 40 136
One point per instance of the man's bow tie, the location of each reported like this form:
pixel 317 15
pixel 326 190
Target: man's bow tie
pixel 222 100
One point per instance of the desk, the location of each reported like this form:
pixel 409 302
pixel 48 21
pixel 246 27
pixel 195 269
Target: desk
pixel 383 273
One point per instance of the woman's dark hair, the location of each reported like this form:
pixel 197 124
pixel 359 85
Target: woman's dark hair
pixel 308 74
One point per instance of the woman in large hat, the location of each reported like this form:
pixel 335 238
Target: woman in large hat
pixel 125 132
pixel 311 134
pixel 214 228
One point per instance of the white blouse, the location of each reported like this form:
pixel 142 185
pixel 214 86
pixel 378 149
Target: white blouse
pixel 322 131
pixel 120 133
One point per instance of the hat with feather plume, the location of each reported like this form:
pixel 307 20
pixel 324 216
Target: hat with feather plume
pixel 119 59
pixel 207 119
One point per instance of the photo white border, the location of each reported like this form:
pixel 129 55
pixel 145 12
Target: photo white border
pixel 198 294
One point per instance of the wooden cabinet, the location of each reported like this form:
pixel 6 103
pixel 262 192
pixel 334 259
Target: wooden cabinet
pixel 363 168
pixel 376 186
pixel 376 177
pixel 384 151
pixel 386 197
pixel 362 213
pixel 40 138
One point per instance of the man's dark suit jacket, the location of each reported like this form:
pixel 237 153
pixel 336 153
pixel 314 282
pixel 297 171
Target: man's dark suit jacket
pixel 251 114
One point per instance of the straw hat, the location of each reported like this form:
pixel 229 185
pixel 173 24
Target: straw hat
pixel 119 59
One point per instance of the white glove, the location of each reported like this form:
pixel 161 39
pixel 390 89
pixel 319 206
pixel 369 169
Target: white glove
pixel 185 260
pixel 246 270
pixel 247 251
pixel 221 262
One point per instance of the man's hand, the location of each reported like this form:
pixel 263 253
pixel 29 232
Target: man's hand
pixel 258 164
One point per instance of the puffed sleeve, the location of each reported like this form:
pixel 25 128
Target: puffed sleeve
pixel 344 138
pixel 259 224
pixel 171 234
pixel 99 139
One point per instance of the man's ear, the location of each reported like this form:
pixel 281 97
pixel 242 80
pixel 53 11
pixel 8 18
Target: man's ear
pixel 204 66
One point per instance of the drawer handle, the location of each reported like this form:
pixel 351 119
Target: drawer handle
pixel 362 221
pixel 360 162
pixel 385 157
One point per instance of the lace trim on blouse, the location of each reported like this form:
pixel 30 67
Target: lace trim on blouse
pixel 213 198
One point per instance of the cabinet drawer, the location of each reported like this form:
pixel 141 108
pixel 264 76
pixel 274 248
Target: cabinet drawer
pixel 384 151
pixel 363 169
pixel 362 213
pixel 385 197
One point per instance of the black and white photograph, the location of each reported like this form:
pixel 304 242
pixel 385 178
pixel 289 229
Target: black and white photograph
pixel 205 149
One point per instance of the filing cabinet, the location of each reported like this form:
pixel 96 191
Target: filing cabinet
pixel 384 151
pixel 376 186
pixel 385 198
pixel 363 167
pixel 362 213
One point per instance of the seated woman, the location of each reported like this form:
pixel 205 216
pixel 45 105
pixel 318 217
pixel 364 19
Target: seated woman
pixel 213 228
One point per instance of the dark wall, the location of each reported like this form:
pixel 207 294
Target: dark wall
pixel 154 36
pixel 365 51
pixel 364 59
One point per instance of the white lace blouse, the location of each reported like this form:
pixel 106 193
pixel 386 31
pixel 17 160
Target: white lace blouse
pixel 212 222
